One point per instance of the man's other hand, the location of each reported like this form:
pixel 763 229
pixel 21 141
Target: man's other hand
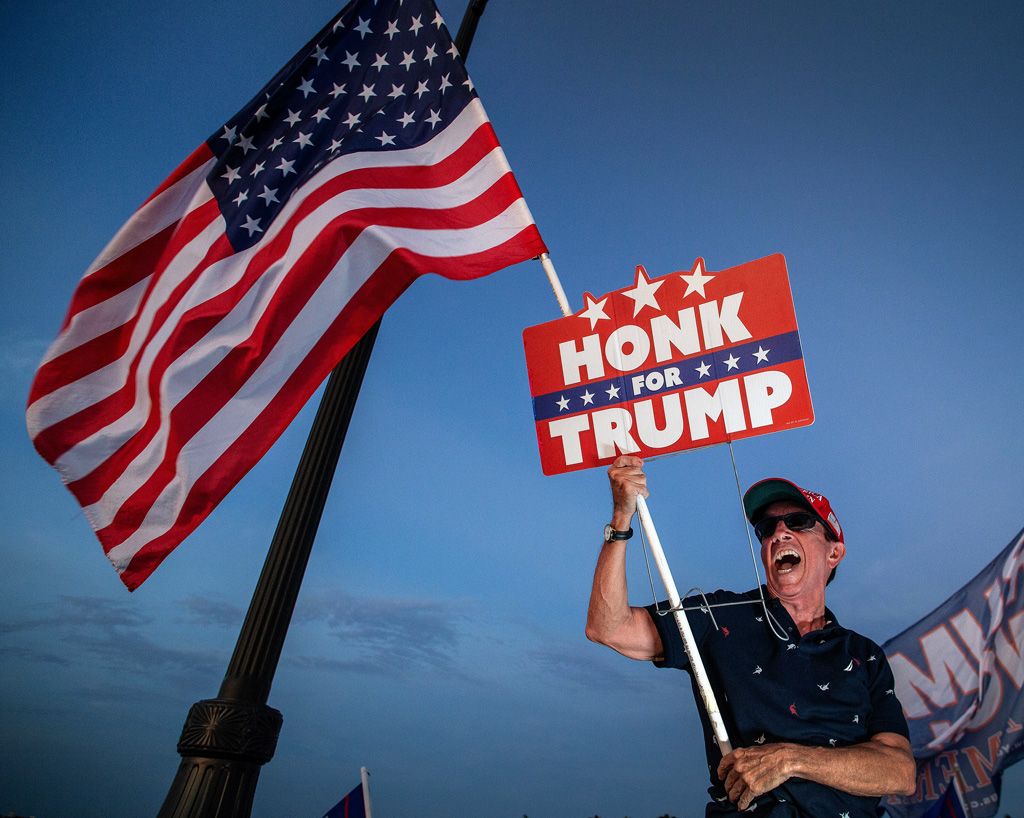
pixel 752 771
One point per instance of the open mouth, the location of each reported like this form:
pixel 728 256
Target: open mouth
pixel 786 560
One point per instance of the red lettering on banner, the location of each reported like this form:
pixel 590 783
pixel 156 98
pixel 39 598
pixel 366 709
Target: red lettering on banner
pixel 982 765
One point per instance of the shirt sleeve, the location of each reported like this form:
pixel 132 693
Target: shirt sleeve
pixel 671 640
pixel 886 710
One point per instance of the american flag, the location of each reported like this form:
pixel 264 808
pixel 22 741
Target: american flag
pixel 230 294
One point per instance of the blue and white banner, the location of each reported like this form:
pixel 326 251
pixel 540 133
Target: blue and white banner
pixel 959 673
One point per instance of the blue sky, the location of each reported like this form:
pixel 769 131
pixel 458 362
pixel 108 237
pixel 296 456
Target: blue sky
pixel 439 635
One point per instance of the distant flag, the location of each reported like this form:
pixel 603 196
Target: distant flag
pixel 217 310
pixel 959 673
pixel 951 805
pixel 356 804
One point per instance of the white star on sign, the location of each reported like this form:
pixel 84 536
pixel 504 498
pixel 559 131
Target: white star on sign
pixel 732 362
pixel 363 28
pixel 696 279
pixel 563 403
pixel 613 393
pixel 704 370
pixel 252 225
pixel 762 354
pixel 594 311
pixel 643 293
pixel 588 397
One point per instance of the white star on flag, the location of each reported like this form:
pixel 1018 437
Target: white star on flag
pixel 643 291
pixel 696 279
pixel 704 370
pixel 732 362
pixel 612 393
pixel 595 310
pixel 563 403
pixel 588 398
pixel 762 354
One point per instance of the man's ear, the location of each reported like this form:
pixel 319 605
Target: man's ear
pixel 836 552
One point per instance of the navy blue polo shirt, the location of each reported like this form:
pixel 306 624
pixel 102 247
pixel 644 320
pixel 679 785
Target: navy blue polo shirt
pixel 829 688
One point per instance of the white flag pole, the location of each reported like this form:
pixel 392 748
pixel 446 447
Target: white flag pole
pixel 364 779
pixel 689 644
pixel 707 695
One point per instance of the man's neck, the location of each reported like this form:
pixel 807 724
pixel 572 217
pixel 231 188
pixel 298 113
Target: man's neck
pixel 807 614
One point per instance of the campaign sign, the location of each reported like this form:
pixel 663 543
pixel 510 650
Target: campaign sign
pixel 689 359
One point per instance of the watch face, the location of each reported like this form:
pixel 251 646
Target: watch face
pixel 608 530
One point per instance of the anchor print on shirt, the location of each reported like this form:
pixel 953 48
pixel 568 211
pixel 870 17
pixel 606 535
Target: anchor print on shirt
pixel 832 742
pixel 757 670
pixel 791 646
pixel 856 719
pixel 824 686
pixel 792 709
pixel 760 740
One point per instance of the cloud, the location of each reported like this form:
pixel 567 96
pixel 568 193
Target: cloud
pixel 386 634
pixel 111 634
pixel 20 356
pixel 201 610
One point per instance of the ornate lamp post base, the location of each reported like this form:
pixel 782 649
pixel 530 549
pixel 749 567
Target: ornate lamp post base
pixel 223 745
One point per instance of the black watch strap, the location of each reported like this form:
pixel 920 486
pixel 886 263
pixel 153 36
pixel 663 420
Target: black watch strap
pixel 611 534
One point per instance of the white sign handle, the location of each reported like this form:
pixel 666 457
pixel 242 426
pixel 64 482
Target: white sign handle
pixel 707 695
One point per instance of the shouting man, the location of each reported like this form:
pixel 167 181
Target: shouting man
pixel 808 704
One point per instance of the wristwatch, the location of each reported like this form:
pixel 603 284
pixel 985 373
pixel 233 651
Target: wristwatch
pixel 610 534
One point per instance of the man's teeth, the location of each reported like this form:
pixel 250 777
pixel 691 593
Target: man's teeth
pixel 784 566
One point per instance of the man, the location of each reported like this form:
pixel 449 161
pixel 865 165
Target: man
pixel 813 715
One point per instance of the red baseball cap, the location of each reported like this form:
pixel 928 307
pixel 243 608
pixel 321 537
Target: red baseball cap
pixel 774 489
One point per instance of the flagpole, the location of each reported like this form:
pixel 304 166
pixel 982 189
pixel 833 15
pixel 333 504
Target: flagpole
pixel 226 740
pixel 364 779
pixel 700 675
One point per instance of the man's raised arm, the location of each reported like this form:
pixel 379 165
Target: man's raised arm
pixel 610 619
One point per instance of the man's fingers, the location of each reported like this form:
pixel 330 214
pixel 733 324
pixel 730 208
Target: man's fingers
pixel 628 460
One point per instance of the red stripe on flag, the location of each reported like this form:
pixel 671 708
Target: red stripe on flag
pixel 195 160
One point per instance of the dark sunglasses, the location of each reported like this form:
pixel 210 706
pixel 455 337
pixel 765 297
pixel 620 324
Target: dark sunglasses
pixel 795 521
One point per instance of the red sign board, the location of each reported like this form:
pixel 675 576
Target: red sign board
pixel 689 359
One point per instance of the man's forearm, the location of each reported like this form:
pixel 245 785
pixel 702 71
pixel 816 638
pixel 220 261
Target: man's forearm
pixel 883 765
pixel 869 768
